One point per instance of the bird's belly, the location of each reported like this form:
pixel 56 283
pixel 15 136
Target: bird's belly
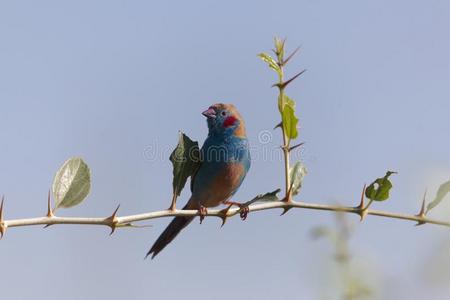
pixel 221 185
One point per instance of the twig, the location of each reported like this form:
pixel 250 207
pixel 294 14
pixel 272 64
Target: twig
pixel 285 147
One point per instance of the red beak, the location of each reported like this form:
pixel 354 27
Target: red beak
pixel 209 113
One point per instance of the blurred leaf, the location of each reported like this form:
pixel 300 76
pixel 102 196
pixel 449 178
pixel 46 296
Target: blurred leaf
pixel 297 173
pixel 436 267
pixel 356 288
pixel 72 183
pixel 185 160
pixel 443 190
pixel 323 231
pixel 290 122
pixel 379 189
pixel 267 197
pixel 270 61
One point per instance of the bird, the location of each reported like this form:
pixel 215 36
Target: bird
pixel 224 163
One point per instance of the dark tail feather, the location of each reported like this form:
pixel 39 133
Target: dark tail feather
pixel 174 228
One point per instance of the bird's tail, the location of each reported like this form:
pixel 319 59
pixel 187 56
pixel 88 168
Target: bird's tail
pixel 171 231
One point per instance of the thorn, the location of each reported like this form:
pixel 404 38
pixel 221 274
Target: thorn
pixel 1 208
pixel 278 125
pixel 2 223
pixel 295 146
pixel 285 84
pixel 361 203
pixel 421 213
pixel 362 210
pixel 224 214
pixel 285 210
pixel 114 215
pixel 290 56
pixel 49 208
pixel 112 220
pixel 293 78
pixel 422 208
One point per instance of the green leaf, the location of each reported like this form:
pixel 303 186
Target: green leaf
pixel 72 183
pixel 379 189
pixel 185 160
pixel 297 173
pixel 290 122
pixel 267 197
pixel 286 100
pixel 289 101
pixel 279 48
pixel 270 61
pixel 443 190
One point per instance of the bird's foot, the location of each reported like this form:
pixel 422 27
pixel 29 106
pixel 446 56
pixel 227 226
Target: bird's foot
pixel 243 209
pixel 203 211
pixel 244 212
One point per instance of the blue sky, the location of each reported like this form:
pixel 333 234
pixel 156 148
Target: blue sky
pixel 114 81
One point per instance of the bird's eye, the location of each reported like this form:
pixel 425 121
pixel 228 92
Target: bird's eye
pixel 223 113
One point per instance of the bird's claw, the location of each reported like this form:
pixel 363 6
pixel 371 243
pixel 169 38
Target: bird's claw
pixel 203 211
pixel 243 209
pixel 244 212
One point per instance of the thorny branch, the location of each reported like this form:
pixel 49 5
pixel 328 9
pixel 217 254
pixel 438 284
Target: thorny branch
pixel 115 221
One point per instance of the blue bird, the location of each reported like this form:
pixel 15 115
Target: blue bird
pixel 225 160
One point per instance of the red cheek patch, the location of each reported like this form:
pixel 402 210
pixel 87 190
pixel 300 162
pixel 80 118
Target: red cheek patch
pixel 229 121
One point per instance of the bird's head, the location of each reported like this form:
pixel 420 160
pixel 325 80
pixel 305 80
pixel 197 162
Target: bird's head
pixel 224 119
